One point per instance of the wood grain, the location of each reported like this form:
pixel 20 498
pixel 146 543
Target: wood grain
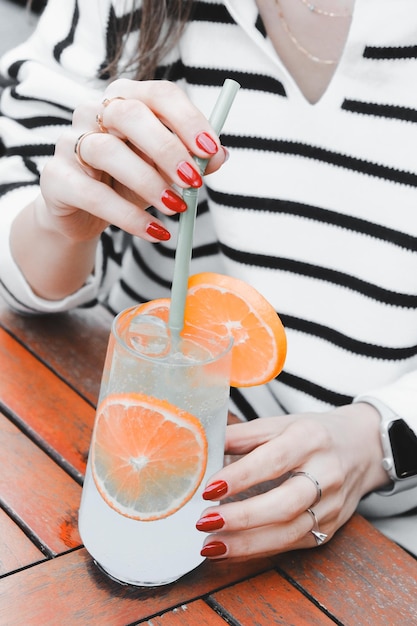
pixel 269 599
pixel 50 374
pixel 70 591
pixel 16 549
pixel 72 344
pixel 360 576
pixel 192 614
pixel 44 405
pixel 38 492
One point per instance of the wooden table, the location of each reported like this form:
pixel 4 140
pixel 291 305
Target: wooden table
pixel 50 372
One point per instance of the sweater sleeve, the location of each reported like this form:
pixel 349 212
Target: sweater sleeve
pixel 50 74
pixel 401 397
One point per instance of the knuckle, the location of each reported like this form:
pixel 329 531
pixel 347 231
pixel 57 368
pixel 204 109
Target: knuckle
pixel 130 221
pixel 244 520
pixel 338 477
pixel 118 87
pixel 65 143
pixel 166 148
pixel 315 432
pixel 84 112
pixel 166 89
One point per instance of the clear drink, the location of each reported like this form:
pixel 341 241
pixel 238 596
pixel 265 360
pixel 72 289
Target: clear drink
pixel 192 375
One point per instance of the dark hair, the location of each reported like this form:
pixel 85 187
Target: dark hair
pixel 161 23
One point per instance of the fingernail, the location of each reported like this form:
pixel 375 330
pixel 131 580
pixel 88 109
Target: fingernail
pixel 215 548
pixel 206 143
pixel 159 232
pixel 210 522
pixel 215 490
pixel 189 175
pixel 173 202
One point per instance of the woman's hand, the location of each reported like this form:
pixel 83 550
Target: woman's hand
pixel 132 150
pixel 135 145
pixel 339 450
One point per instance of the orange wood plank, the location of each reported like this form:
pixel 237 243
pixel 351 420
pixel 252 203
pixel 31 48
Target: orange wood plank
pixel 70 591
pixel 16 549
pixel 39 492
pixel 45 403
pixel 197 612
pixel 269 599
pixel 359 574
pixel 73 344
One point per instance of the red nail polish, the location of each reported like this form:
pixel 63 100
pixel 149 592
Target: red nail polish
pixel 189 175
pixel 215 548
pixel 173 202
pixel 215 490
pixel 159 232
pixel 206 143
pixel 210 522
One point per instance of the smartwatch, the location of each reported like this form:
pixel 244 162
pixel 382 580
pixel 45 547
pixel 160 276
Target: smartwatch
pixel 399 444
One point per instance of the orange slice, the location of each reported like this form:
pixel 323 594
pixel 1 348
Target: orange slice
pixel 226 305
pixel 148 456
pixel 158 307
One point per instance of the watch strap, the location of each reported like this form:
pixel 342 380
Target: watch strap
pixel 388 417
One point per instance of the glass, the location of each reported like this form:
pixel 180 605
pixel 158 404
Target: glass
pixel 193 375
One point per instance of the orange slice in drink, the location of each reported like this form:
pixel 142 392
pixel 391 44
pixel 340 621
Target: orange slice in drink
pixel 148 456
pixel 158 307
pixel 226 305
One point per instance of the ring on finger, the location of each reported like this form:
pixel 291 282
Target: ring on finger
pixel 77 148
pixel 107 101
pixel 313 480
pixel 315 531
pixel 99 117
pixel 99 122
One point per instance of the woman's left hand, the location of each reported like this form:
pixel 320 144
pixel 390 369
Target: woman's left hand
pixel 337 457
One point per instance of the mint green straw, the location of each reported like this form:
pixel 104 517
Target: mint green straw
pixel 187 219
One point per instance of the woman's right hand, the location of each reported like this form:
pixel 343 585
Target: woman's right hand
pixel 132 150
pixel 151 130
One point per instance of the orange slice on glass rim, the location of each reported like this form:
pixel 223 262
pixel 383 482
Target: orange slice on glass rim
pixel 226 305
pixel 148 457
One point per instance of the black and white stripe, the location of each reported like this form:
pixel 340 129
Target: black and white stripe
pixel 317 206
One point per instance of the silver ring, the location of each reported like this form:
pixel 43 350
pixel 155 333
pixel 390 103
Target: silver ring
pixel 313 480
pixel 315 531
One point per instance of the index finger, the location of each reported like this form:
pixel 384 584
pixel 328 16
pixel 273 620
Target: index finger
pixel 269 460
pixel 173 108
pixel 243 437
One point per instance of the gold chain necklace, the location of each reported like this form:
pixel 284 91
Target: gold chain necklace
pixel 312 7
pixel 295 41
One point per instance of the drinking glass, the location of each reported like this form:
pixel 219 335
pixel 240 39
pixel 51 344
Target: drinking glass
pixel 190 373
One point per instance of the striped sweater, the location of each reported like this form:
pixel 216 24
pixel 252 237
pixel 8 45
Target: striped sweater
pixel 316 207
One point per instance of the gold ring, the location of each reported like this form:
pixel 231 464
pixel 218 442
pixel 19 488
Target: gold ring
pixel 99 118
pixel 77 148
pixel 99 121
pixel 107 101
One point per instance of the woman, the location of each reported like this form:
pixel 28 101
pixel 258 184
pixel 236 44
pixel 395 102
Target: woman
pixel 315 207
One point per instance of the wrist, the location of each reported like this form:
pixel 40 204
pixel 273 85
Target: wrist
pixel 58 227
pixel 399 445
pixel 53 265
pixel 364 427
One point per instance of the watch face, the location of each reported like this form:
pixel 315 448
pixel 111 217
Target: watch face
pixel 404 448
